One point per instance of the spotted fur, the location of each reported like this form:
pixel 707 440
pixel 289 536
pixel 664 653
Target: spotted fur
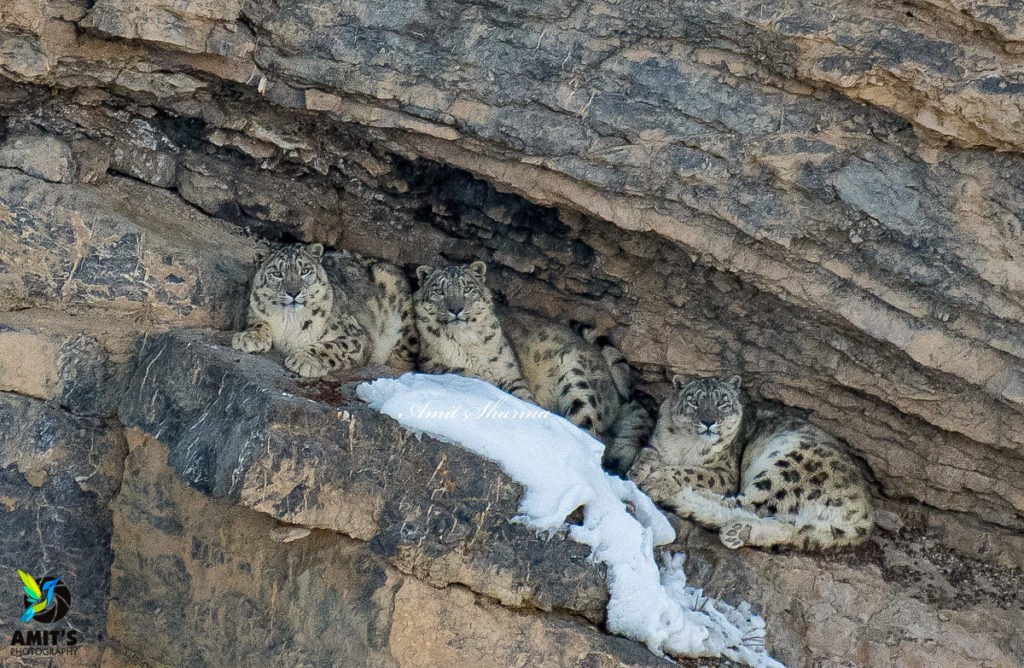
pixel 783 482
pixel 621 374
pixel 632 427
pixel 566 374
pixel 459 328
pixel 632 431
pixel 329 311
pixel 463 332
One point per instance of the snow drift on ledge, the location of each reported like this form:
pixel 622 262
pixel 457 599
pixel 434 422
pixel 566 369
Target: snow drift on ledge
pixel 559 466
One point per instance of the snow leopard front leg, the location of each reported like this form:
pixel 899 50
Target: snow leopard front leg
pixel 258 337
pixel 508 375
pixel 671 486
pixel 342 346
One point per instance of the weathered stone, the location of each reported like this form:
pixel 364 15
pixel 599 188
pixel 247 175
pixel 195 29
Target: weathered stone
pixel 215 586
pixel 195 25
pixel 79 362
pixel 896 600
pixel 41 156
pixel 260 200
pixel 58 473
pixel 64 246
pixel 92 161
pixel 238 427
pixel 429 629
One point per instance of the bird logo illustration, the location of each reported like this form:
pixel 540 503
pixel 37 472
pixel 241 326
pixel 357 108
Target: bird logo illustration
pixel 37 598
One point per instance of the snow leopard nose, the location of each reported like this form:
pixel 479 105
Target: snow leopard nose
pixel 453 309
pixel 292 288
pixel 708 425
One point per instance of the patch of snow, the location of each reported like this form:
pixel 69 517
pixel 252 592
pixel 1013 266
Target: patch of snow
pixel 559 466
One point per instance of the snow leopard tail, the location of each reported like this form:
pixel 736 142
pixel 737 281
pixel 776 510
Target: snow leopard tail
pixel 622 375
pixel 631 432
pixel 634 424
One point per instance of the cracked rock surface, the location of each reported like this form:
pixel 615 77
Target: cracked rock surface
pixel 827 201
pixel 316 457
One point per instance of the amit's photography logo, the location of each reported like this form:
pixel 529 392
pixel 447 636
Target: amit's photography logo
pixel 45 602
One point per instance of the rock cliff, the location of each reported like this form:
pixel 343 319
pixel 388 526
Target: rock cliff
pixel 827 201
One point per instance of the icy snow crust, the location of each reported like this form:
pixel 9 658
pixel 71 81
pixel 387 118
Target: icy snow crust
pixel 559 466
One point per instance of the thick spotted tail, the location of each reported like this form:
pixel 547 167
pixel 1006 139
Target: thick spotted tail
pixel 622 375
pixel 632 431
pixel 738 525
pixel 395 337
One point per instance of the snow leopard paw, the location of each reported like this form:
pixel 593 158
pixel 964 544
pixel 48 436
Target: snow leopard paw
pixel 735 535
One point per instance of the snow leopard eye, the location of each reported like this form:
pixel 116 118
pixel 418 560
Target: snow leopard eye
pixel 691 402
pixel 307 271
pixel 276 274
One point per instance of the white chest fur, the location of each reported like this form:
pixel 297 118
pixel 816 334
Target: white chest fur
pixel 462 346
pixel 295 329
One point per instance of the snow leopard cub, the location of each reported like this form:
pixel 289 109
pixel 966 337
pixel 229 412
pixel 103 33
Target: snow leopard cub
pixel 329 310
pixel 783 482
pixel 462 331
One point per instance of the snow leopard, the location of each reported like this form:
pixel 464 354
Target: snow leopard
pixel 328 311
pixel 781 482
pixel 463 331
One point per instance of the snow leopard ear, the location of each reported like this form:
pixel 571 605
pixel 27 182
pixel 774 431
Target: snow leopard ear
pixel 261 253
pixel 423 271
pixel 478 269
pixel 734 382
pixel 315 251
pixel 679 382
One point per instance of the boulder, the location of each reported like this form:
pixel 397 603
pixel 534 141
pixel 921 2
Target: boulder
pixel 41 156
pixel 67 248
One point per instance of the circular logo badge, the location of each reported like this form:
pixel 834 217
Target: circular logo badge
pixel 58 607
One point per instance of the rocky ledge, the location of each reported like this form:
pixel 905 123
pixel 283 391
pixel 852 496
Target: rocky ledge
pixel 321 531
pixel 304 465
